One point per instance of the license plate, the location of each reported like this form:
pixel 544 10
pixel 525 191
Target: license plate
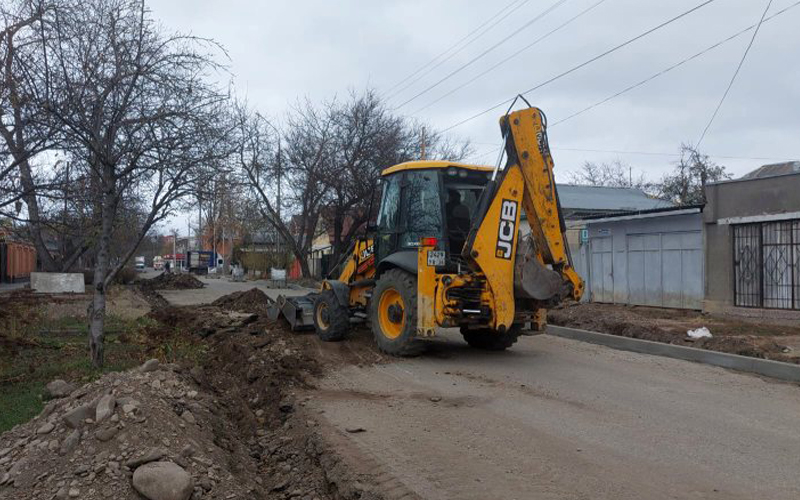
pixel 435 258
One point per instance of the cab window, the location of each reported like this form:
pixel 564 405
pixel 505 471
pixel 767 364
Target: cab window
pixel 422 207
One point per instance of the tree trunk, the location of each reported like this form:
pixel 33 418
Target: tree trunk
pixel 97 310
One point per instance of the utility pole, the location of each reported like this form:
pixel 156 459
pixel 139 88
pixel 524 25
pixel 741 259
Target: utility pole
pixel 422 146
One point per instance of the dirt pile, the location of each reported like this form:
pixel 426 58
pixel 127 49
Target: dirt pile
pixel 670 326
pixel 251 301
pixel 171 281
pixel 151 429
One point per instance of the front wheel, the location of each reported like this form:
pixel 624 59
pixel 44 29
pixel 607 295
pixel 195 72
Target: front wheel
pixel 490 340
pixel 331 319
pixel 393 314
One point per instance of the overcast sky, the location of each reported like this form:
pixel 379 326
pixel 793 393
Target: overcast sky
pixel 281 50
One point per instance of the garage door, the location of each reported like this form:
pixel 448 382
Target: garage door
pixel 601 271
pixel 665 269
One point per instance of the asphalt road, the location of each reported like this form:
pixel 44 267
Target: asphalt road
pixel 559 419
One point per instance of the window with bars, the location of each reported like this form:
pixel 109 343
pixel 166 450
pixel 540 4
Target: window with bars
pixel 767 264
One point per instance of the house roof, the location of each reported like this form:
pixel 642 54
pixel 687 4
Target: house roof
pixel 774 169
pixel 600 198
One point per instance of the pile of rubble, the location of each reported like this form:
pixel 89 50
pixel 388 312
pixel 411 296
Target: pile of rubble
pixel 150 430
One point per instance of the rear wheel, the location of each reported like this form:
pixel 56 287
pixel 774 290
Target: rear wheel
pixel 490 340
pixel 331 319
pixel 393 313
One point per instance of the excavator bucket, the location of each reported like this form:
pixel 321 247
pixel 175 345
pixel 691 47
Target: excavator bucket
pixel 298 311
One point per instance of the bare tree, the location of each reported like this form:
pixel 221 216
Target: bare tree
pixel 613 174
pixel 368 138
pixel 139 118
pixel 686 184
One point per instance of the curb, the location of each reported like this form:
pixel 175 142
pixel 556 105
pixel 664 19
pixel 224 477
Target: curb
pixel 775 369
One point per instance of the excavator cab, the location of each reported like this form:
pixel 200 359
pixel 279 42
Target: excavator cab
pixel 427 199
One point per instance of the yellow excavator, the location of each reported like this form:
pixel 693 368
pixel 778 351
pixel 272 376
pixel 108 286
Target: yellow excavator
pixel 448 251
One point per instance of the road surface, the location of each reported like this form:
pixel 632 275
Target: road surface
pixel 559 419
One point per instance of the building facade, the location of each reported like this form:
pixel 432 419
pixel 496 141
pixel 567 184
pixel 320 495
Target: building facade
pixel 752 237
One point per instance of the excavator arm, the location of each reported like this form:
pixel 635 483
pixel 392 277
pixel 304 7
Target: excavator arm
pixel 538 268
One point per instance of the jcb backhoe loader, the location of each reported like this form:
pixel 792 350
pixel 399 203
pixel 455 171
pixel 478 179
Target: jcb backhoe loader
pixel 447 251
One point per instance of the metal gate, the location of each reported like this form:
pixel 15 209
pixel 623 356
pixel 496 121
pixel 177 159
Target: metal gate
pixel 665 269
pixel 767 265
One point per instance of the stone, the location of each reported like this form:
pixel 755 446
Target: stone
pixel 77 416
pixel 47 428
pixel 59 388
pixel 435 399
pixel 74 493
pixel 150 365
pixel 152 455
pixel 130 407
pixel 106 434
pixel 70 442
pixel 355 430
pixel 4 452
pixel 156 384
pixel 188 417
pixel 163 481
pixel 105 407
pixel 62 493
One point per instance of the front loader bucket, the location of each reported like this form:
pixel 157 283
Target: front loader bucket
pixel 298 311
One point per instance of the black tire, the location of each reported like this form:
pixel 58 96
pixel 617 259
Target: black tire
pixel 397 290
pixel 331 319
pixel 490 340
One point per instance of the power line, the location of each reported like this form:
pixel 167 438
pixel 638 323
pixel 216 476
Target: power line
pixel 736 73
pixel 650 153
pixel 674 66
pixel 515 54
pixel 585 63
pixel 452 46
pixel 519 30
pixel 493 24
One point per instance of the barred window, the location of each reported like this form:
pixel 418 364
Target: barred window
pixel 767 265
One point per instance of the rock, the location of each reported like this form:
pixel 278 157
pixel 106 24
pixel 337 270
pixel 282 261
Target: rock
pixel 5 478
pixel 70 442
pixel 435 399
pixel 59 388
pixel 47 428
pixel 191 394
pixel 150 365
pixel 106 434
pixel 4 452
pixel 74 493
pixel 48 410
pixel 152 455
pixel 105 407
pixel 130 406
pixel 77 416
pixel 163 481
pixel 354 430
pixel 205 483
pixel 188 417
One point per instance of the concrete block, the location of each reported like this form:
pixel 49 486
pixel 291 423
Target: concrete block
pixel 57 283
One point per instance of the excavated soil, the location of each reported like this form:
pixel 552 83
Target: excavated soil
pixel 171 281
pixel 250 301
pixel 778 342
pixel 234 420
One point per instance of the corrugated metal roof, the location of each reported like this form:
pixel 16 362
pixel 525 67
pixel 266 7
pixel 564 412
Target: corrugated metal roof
pixel 789 167
pixel 597 198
